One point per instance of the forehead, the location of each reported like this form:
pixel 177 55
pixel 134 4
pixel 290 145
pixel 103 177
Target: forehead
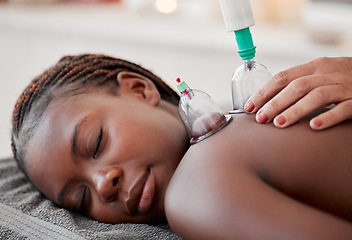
pixel 55 128
pixel 60 117
pixel 53 131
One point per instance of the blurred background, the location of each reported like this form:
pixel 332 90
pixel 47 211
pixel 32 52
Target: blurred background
pixel 172 38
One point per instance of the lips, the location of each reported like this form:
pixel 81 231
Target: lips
pixel 140 196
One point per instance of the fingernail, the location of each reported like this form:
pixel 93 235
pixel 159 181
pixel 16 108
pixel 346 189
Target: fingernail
pixel 316 123
pixel 249 107
pixel 281 120
pixel 262 117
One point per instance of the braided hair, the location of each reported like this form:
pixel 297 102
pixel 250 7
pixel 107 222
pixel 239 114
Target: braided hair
pixel 77 74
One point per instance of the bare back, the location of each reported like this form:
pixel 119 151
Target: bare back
pixel 253 176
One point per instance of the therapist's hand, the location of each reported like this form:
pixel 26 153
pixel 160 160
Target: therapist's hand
pixel 298 91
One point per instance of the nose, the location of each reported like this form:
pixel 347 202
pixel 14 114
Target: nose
pixel 107 183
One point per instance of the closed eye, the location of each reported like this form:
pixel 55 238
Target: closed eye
pixel 81 206
pixel 98 144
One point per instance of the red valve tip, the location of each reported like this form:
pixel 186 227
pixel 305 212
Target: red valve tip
pixel 178 80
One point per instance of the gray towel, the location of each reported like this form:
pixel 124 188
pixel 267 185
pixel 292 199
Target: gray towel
pixel 26 214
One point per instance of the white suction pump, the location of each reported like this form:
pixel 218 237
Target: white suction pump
pixel 250 76
pixel 200 114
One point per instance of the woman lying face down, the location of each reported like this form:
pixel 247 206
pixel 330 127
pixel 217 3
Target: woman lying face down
pixel 102 136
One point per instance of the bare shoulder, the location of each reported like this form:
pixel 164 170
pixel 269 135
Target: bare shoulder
pixel 235 179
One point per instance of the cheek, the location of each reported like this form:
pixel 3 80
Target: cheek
pixel 49 177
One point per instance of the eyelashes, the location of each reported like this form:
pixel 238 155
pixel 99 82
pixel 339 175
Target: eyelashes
pixel 82 203
pixel 98 148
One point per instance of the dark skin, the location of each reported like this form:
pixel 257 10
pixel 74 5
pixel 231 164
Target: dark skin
pixel 124 144
pixel 253 181
pixel 247 181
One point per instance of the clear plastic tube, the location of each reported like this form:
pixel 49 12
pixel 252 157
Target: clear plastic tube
pixel 247 78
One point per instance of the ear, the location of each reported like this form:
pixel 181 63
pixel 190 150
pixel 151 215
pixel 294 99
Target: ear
pixel 138 85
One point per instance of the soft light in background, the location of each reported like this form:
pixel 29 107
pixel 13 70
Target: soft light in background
pixel 173 38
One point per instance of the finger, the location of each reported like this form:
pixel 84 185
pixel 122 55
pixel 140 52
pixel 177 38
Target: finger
pixel 318 97
pixel 340 113
pixel 278 82
pixel 290 95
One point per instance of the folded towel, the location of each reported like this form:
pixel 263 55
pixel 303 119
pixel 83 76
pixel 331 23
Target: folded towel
pixel 26 214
